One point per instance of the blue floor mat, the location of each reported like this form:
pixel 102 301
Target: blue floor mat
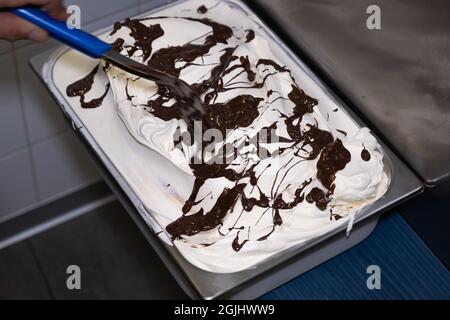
pixel 409 270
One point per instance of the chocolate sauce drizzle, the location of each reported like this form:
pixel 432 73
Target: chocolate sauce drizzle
pixel 239 112
pixel 238 246
pixel 365 155
pixel 202 9
pixel 143 36
pixel 192 224
pixel 334 157
pixel 250 36
pixel 319 197
pixel 81 87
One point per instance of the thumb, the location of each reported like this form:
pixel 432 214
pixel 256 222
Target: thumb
pixel 14 28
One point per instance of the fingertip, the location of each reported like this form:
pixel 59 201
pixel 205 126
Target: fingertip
pixel 38 35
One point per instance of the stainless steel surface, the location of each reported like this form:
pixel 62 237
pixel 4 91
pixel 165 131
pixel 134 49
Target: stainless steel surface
pixel 190 103
pixel 398 77
pixel 254 282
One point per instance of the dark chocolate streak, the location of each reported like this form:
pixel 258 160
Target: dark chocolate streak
pixel 83 86
pixel 318 197
pixel 198 222
pixel 202 10
pixel 365 155
pixel 240 111
pixel 236 245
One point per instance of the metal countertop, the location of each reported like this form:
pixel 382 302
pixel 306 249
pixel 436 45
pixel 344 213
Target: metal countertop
pixel 397 78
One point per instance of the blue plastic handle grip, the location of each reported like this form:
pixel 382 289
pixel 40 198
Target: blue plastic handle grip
pixel 75 38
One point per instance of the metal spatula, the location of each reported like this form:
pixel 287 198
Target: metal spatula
pixel 192 108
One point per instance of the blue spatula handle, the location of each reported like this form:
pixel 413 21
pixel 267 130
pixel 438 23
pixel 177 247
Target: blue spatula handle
pixel 77 39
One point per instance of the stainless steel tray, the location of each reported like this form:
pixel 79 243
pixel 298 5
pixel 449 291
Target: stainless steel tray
pixel 271 273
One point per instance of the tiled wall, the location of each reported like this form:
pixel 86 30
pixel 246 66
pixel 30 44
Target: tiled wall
pixel 40 158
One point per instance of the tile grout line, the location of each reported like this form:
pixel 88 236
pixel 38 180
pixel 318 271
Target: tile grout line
pixel 6 51
pixel 54 135
pixel 41 269
pixel 67 216
pixel 2 54
pixel 15 150
pixel 40 141
pixel 25 123
pixel 18 150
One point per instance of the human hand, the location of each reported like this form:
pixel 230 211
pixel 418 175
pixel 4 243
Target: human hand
pixel 14 28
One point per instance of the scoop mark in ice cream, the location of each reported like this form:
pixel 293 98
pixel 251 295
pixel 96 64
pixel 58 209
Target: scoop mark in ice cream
pixel 240 111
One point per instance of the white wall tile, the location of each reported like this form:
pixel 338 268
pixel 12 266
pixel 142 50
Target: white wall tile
pixel 43 117
pixel 12 128
pixel 16 183
pixel 5 46
pixel 61 164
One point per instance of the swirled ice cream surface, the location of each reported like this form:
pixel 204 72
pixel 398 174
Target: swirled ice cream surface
pixel 319 167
